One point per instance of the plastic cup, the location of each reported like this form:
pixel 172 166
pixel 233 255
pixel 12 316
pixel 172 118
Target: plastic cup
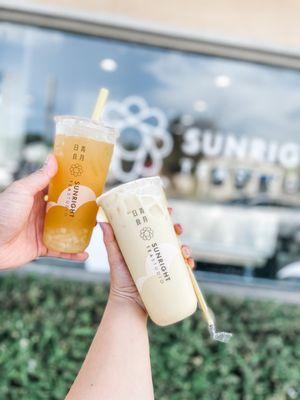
pixel 138 213
pixel 83 149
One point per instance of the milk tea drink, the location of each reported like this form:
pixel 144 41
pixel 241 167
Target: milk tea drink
pixel 139 216
pixel 83 149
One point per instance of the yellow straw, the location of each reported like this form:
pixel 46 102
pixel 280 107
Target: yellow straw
pixel 98 110
pixel 219 336
pixel 200 298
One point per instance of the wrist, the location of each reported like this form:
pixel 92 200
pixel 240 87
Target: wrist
pixel 5 262
pixel 124 302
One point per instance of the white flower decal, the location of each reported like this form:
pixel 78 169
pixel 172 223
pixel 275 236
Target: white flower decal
pixel 146 233
pixel 144 139
pixel 76 170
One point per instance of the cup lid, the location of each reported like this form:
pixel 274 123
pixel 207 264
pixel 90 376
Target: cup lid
pixel 86 125
pixel 136 183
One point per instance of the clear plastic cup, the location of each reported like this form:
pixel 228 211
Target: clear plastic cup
pixel 138 213
pixel 83 149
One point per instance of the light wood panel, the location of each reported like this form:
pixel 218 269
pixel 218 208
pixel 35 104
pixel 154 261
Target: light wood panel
pixel 267 22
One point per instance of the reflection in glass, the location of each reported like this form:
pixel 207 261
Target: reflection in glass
pixel 214 128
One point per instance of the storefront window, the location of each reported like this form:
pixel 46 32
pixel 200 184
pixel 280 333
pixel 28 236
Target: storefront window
pixel 224 134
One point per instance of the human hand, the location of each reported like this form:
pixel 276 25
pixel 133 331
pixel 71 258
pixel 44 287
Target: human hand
pixel 121 283
pixel 22 209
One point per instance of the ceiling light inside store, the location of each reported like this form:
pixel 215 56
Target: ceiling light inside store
pixel 108 65
pixel 200 106
pixel 187 119
pixel 222 81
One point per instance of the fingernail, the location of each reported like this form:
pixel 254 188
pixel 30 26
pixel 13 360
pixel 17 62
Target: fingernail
pixel 191 262
pixel 47 160
pixel 44 166
pixel 186 251
pixel 179 226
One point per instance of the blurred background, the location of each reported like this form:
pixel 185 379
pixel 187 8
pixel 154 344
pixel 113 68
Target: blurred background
pixel 205 94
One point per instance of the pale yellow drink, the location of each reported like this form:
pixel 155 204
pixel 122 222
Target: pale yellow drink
pixel 138 213
pixel 83 149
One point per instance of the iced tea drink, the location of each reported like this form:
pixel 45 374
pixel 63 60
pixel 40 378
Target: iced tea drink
pixel 83 149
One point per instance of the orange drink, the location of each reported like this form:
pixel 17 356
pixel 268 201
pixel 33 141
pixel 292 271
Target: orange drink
pixel 83 149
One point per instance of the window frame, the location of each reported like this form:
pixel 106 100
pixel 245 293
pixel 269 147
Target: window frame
pixel 111 27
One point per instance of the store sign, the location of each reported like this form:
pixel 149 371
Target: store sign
pixel 222 166
pixel 144 139
pixel 228 166
pixel 216 144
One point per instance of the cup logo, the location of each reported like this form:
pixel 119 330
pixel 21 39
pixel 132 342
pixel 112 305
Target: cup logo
pixel 148 126
pixel 76 170
pixel 73 197
pixel 146 233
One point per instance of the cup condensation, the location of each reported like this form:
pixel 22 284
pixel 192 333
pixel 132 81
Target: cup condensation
pixel 138 213
pixel 83 149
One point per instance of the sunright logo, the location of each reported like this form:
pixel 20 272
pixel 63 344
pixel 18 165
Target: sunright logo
pixel 76 170
pixel 149 139
pixel 146 233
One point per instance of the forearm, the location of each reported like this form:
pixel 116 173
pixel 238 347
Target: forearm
pixel 7 258
pixel 117 366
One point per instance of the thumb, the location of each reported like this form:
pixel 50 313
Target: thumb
pixel 113 250
pixel 41 178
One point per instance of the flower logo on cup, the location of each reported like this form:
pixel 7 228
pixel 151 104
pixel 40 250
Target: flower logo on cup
pixel 144 138
pixel 76 170
pixel 146 233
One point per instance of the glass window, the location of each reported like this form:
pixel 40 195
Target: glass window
pixel 224 134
